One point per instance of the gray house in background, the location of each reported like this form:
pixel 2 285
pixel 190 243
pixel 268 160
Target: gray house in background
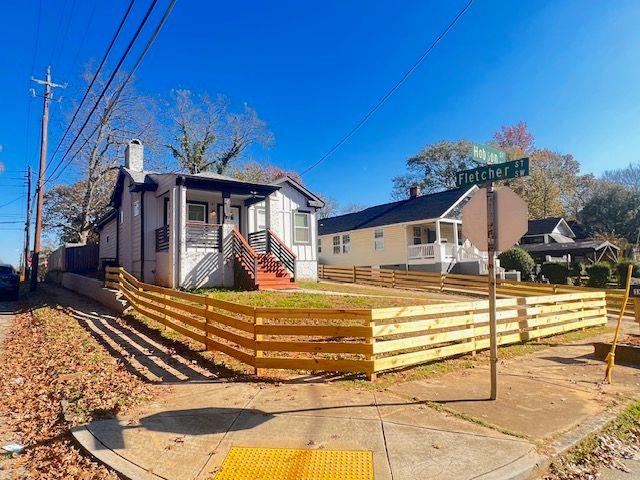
pixel 554 239
pixel 189 231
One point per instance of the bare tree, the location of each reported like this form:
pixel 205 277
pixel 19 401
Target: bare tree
pixel 259 172
pixel 207 136
pixel 72 209
pixel 628 176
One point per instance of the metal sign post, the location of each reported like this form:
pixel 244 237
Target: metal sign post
pixel 491 251
pixel 506 222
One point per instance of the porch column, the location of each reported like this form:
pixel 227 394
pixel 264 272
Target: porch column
pixel 226 207
pixel 267 212
pixel 455 234
pixel 437 250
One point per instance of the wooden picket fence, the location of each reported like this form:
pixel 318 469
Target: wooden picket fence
pixel 457 283
pixel 354 340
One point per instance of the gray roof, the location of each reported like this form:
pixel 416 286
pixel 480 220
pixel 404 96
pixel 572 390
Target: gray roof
pixel 542 226
pixel 423 207
pixel 580 246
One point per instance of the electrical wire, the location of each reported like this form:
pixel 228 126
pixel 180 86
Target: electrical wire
pixel 107 85
pixel 393 89
pixel 66 32
pixel 33 64
pixel 115 98
pixel 86 32
pixel 93 80
pixel 11 201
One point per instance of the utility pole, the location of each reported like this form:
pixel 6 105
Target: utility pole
pixel 491 251
pixel 27 227
pixel 48 95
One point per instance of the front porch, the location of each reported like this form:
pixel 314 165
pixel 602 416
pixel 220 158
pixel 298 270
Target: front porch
pixel 440 242
pixel 217 233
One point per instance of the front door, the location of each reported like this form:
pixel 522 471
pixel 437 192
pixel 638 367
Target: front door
pixel 234 217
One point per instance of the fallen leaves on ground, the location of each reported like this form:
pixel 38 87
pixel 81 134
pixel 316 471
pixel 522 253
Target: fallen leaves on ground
pixel 53 376
pixel 619 440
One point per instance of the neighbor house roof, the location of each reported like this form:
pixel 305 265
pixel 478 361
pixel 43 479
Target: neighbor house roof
pixel 542 226
pixel 423 207
pixel 563 248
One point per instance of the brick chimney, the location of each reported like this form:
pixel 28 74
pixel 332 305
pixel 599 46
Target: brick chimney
pixel 134 155
pixel 414 191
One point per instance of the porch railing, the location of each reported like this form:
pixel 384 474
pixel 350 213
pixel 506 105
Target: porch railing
pixel 245 269
pixel 203 235
pixel 267 241
pixel 162 239
pixel 425 250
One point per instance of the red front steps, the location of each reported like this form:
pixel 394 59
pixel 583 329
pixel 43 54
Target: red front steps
pixel 271 274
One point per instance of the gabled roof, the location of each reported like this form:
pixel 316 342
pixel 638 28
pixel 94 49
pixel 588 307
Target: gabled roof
pixel 549 225
pixel 314 200
pixel 572 247
pixel 423 207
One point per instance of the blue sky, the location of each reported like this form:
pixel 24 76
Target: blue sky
pixel 570 69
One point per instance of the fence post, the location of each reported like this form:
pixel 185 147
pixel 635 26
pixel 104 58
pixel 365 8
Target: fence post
pixel 353 274
pixel 636 309
pixel 371 376
pixel 442 280
pixel 257 337
pixel 393 279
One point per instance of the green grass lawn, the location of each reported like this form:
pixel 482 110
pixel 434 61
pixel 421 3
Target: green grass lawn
pixel 423 296
pixel 308 300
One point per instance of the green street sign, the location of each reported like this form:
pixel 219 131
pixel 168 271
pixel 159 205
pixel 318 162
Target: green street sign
pixel 487 155
pixel 492 173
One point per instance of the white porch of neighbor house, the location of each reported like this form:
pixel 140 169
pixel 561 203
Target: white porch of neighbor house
pixel 439 241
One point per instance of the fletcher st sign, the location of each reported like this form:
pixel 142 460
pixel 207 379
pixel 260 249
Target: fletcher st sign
pixel 492 173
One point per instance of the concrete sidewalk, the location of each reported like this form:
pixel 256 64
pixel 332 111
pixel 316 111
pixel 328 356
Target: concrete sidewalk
pixel 441 428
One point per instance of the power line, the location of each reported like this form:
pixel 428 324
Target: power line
pixel 11 201
pixel 95 77
pixel 66 32
pixel 107 85
pixel 86 32
pixel 386 96
pixel 60 21
pixel 114 100
pixel 33 62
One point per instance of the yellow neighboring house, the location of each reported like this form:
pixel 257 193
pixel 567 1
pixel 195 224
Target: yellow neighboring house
pixel 423 232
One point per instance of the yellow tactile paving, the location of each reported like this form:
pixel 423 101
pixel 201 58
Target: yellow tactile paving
pixel 243 463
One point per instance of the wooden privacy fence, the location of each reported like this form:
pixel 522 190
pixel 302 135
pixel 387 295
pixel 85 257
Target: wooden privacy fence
pixel 354 340
pixel 451 282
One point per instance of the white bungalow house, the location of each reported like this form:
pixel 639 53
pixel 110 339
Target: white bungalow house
pixel 423 232
pixel 188 231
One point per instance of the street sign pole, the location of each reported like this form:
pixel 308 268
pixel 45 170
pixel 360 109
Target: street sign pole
pixel 491 251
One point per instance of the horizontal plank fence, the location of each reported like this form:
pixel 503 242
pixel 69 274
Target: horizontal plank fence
pixel 458 283
pixel 354 340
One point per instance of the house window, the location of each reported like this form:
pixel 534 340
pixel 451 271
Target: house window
pixel 378 240
pixel 121 217
pixel 261 219
pixel 336 245
pixel 346 243
pixel 417 235
pixel 196 212
pixel 136 208
pixel 301 232
pixel 319 245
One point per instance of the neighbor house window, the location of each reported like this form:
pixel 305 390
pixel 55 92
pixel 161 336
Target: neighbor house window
pixel 319 245
pixel 346 243
pixel 301 232
pixel 136 208
pixel 196 212
pixel 417 235
pixel 378 239
pixel 336 245
pixel 121 217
